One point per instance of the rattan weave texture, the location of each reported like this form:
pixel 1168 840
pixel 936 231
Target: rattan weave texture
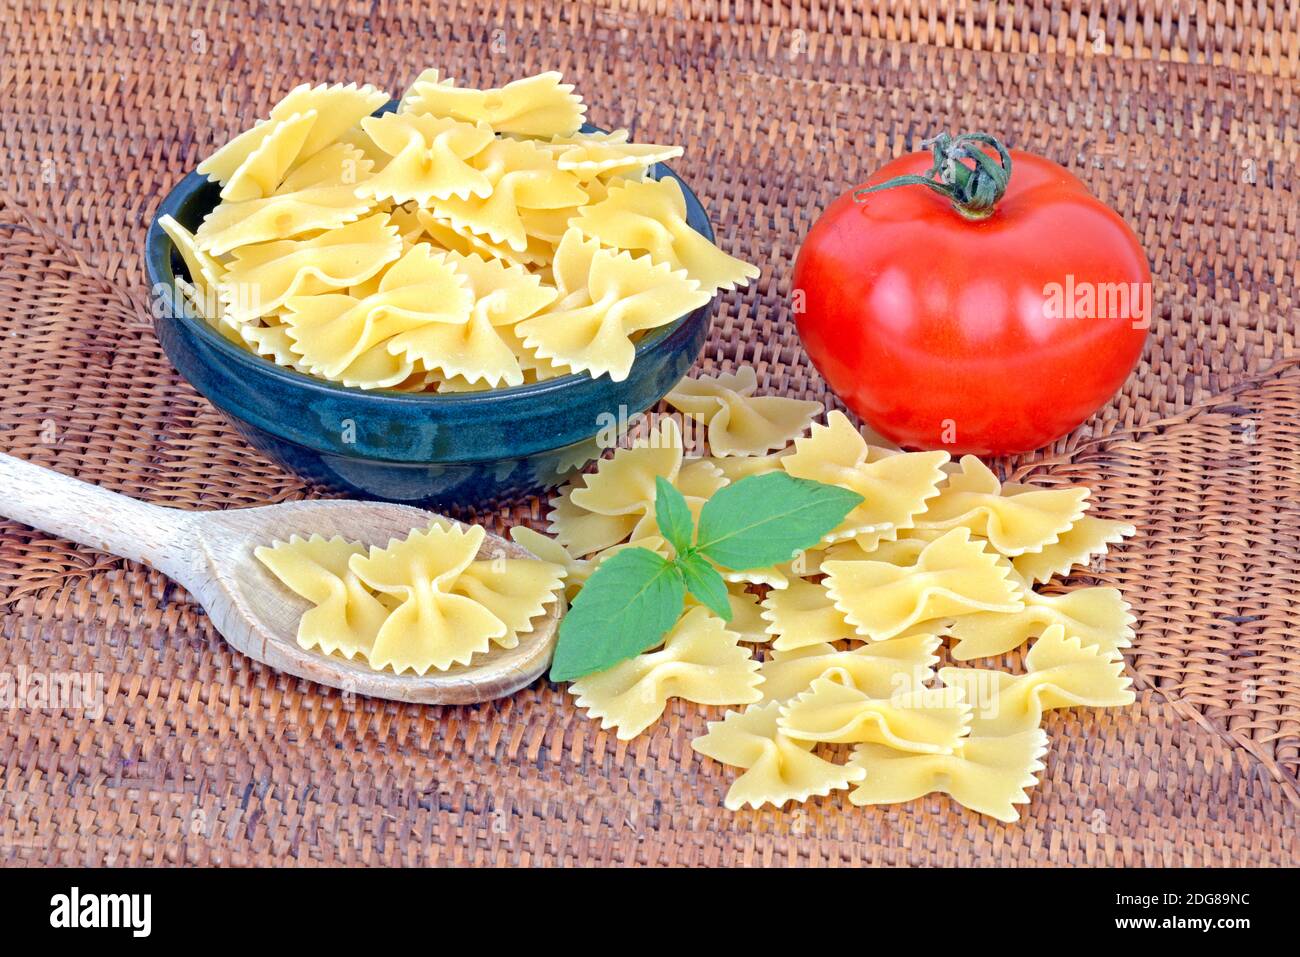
pixel 1185 117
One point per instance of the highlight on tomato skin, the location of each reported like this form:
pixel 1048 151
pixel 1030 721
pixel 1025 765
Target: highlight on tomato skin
pixel 986 305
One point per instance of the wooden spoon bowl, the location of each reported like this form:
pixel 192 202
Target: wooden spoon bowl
pixel 211 555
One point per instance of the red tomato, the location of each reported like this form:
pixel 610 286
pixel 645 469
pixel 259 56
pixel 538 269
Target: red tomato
pixel 973 335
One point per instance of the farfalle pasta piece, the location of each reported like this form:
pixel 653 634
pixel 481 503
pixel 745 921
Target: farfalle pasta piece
pixel 697 480
pixel 345 617
pixel 279 216
pixel 339 107
pixel 1013 524
pixel 306 121
pixel 264 168
pixel 521 176
pixel 987 775
pixel 926 720
pixel 953 576
pixel 880 669
pixel 1060 673
pixel 895 487
pixel 774 577
pixel 429 158
pixel 589 155
pixel 650 216
pixel 366 343
pixel 430 627
pixel 1096 616
pixel 316 194
pixel 700 661
pixel 778 769
pixel 261 278
pixel 430 75
pixel 593 331
pixel 1080 544
pixel 475 349
pixel 805 614
pixel 515 590
pixel 540 105
pixel 571 267
pixel 739 422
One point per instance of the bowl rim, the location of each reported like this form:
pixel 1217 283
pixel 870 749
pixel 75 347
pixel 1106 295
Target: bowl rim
pixel 159 250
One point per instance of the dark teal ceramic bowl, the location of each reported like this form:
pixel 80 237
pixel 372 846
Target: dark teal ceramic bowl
pixel 468 449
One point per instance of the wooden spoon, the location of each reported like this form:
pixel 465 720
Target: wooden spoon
pixel 211 555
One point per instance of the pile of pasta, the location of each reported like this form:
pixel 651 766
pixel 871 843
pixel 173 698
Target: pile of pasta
pixel 471 240
pixel 938 551
pixel 420 603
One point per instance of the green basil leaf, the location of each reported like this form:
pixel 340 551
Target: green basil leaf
pixel 765 519
pixel 673 516
pixel 704 582
pixel 627 605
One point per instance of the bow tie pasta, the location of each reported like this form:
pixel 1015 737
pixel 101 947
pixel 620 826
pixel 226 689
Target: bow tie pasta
pixel 651 217
pixel 430 158
pixel 930 720
pixel 777 768
pixel 987 775
pixel 592 330
pixel 879 670
pixel 324 200
pixel 539 105
pixel 286 212
pixel 739 422
pixel 367 341
pixel 1061 672
pixel 423 603
pixel 701 661
pixel 1096 616
pixel 260 279
pixel 616 502
pixel 1013 524
pixel 300 125
pixel 952 576
pixel 596 154
pixel 1084 541
pixel 939 563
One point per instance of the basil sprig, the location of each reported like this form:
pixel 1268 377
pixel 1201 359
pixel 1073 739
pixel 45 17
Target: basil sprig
pixel 636 595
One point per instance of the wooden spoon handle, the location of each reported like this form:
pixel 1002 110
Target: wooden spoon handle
pixel 94 516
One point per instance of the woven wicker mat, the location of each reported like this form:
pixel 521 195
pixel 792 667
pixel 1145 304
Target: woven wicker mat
pixel 1185 117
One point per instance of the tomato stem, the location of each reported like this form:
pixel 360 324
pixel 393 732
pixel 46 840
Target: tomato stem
pixel 973 190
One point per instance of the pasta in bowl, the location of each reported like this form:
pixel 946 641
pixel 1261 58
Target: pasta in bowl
pixel 441 300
